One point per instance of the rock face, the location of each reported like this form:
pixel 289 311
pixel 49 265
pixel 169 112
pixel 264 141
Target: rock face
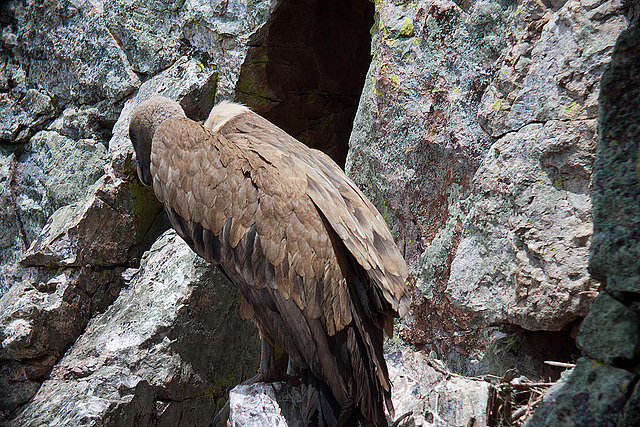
pixel 435 395
pixel 603 387
pixel 475 136
pixel 274 404
pixel 74 215
pixel 425 387
pixel 142 361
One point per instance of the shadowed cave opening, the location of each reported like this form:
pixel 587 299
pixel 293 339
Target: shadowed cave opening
pixel 306 68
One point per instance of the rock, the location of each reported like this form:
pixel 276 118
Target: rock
pixel 69 166
pixel 47 173
pixel 437 396
pixel 50 171
pixel 80 123
pixel 523 255
pixel 605 391
pixel 475 138
pixel 593 394
pixel 19 382
pixel 631 414
pixel 224 31
pixel 552 69
pixel 144 361
pixel 610 331
pixel 416 141
pixel 97 232
pixel 40 317
pixel 14 239
pixel 262 404
pixel 26 113
pixel 147 32
pixel 616 187
pixel 70 53
pixel 423 386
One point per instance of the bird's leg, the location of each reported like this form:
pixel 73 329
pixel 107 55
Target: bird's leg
pixel 267 369
pixel 292 368
pixel 266 373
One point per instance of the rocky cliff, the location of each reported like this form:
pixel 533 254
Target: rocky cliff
pixel 498 139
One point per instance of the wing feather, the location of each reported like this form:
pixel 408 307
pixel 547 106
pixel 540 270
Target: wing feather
pixel 272 212
pixel 351 215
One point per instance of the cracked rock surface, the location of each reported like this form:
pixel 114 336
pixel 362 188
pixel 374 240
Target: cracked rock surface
pixel 73 216
pixel 475 137
pixel 141 362
pixel 488 133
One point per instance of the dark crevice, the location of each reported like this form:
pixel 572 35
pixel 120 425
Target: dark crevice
pixel 14 200
pixel 526 352
pixel 306 69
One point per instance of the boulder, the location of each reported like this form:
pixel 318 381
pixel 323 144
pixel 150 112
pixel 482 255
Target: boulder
pixel 162 354
pixel 423 389
pixel 97 232
pixel 593 394
pixel 475 138
pixel 603 388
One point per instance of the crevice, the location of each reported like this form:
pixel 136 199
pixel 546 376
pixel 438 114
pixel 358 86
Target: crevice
pixel 540 122
pixel 14 200
pixel 307 77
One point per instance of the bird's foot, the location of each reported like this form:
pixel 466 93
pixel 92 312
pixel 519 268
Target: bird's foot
pixel 267 373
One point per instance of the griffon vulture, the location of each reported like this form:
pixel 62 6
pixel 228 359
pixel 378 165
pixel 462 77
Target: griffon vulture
pixel 311 256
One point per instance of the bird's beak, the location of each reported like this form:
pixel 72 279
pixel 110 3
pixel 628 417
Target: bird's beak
pixel 144 178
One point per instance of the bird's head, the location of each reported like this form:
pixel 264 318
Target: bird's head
pixel 146 118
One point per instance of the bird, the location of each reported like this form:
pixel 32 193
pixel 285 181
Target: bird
pixel 315 263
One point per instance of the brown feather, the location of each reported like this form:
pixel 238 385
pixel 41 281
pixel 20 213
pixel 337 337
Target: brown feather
pixel 314 260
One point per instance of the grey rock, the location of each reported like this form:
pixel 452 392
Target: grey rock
pixel 416 141
pixel 14 239
pixel 423 386
pixel 149 33
pixel 437 396
pixel 48 172
pixel 616 188
pixel 162 354
pixel 33 322
pixel 600 393
pixel 555 78
pixel 415 134
pixel 45 174
pixel 96 232
pixel 593 394
pixel 24 113
pixel 70 53
pixel 475 138
pixel 523 255
pixel 610 331
pixel 69 166
pixel 631 414
pixel 153 35
pixel 40 317
pixel 224 31
pixel 80 123
pixel 265 404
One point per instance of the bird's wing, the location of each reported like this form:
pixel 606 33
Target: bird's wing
pixel 351 215
pixel 280 219
pixel 241 211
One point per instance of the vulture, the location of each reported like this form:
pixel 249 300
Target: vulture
pixel 314 261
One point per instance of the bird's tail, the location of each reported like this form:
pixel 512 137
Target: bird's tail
pixel 319 406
